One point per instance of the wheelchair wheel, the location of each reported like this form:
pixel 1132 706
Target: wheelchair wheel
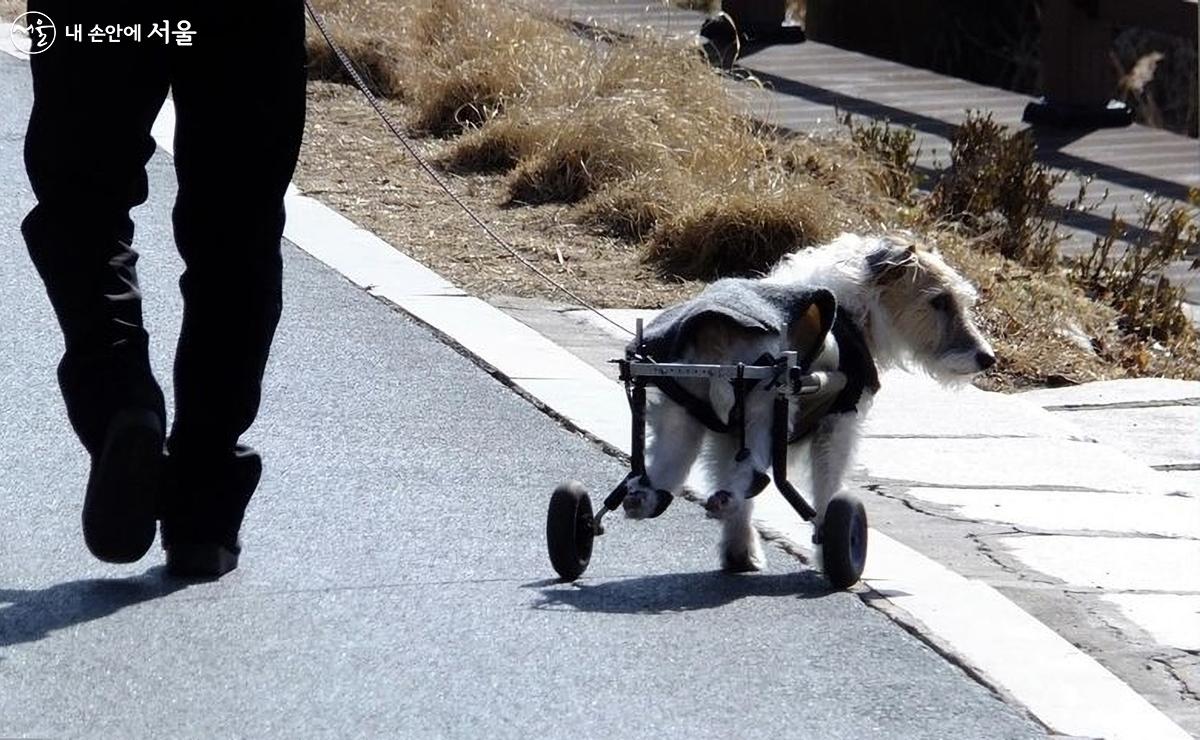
pixel 569 531
pixel 844 541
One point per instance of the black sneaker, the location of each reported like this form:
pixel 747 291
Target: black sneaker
pixel 119 509
pixel 203 509
pixel 201 560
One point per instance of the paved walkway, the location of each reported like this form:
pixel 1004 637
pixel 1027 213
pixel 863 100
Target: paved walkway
pixel 394 581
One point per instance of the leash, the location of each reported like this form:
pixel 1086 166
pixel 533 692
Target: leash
pixel 361 84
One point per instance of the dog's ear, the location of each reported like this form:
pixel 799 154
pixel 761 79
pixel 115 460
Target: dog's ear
pixel 806 332
pixel 889 263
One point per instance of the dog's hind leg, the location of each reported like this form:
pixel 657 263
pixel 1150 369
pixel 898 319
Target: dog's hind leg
pixel 735 480
pixel 673 441
pixel 833 444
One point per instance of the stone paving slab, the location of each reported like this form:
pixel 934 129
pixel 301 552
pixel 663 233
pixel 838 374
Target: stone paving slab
pixel 1162 515
pixel 1108 392
pixel 1114 563
pixel 914 406
pixel 1155 420
pixel 1172 619
pixel 1008 463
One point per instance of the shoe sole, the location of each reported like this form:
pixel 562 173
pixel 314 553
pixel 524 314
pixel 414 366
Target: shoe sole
pixel 200 561
pixel 120 507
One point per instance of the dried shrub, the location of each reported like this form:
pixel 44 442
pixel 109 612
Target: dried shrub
pixel 893 148
pixel 495 148
pixel 631 208
pixel 995 187
pixel 1131 277
pixel 740 234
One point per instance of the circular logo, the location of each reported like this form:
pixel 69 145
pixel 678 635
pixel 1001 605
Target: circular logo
pixel 37 27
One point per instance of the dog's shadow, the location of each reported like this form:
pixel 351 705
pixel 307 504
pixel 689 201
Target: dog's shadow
pixel 29 615
pixel 677 592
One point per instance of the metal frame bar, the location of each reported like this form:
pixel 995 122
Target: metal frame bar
pixel 644 369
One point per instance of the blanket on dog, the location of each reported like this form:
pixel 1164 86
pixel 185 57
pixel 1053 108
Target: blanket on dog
pixel 765 308
pixel 751 304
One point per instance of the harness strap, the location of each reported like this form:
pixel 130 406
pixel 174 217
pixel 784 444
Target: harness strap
pixel 700 409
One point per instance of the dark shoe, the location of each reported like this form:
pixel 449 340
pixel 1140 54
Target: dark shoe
pixel 201 561
pixel 204 505
pixel 120 507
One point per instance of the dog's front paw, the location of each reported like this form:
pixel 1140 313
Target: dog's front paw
pixel 722 505
pixel 645 503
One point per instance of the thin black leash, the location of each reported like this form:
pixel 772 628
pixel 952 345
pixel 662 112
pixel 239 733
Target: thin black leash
pixel 361 84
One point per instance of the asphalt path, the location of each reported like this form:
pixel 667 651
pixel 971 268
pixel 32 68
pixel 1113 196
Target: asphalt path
pixel 394 580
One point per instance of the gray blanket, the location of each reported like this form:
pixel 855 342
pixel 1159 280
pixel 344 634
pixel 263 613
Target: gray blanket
pixel 750 304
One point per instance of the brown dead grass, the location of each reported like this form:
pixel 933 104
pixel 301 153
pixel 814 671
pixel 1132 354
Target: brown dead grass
pixel 640 133
pixel 623 169
pixel 349 161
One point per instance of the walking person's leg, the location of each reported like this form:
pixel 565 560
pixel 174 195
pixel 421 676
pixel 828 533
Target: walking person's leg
pixel 86 149
pixel 239 99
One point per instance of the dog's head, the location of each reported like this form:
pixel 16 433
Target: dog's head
pixel 927 306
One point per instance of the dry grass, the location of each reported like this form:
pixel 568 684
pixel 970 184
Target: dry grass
pixel 349 161
pixel 741 234
pixel 635 177
pixel 640 133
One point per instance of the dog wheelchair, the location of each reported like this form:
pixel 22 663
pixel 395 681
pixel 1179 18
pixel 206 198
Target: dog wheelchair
pixel 572 526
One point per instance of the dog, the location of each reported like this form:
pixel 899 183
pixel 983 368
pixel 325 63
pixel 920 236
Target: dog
pixel 857 305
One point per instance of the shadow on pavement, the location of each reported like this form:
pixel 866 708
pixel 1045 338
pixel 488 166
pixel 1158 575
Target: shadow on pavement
pixel 678 592
pixel 29 615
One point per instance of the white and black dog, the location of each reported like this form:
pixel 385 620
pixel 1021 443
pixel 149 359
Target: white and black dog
pixel 897 303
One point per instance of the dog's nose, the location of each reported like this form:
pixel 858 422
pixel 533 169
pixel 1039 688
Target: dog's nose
pixel 985 360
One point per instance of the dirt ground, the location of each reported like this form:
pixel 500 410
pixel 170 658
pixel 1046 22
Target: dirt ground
pixel 354 164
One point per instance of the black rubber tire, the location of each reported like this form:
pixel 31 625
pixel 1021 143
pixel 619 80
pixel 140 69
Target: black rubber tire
pixel 569 532
pixel 844 541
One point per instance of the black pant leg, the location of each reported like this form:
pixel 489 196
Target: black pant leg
pixel 239 97
pixel 85 153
